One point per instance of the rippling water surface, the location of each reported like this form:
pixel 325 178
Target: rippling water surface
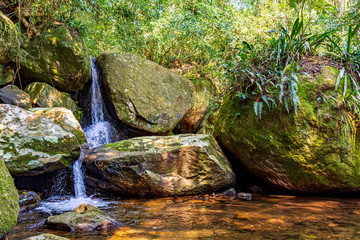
pixel 202 217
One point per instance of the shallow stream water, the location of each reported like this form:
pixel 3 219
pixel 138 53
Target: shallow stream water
pixel 208 217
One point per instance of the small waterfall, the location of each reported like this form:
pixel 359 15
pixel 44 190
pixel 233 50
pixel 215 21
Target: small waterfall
pixel 79 185
pixel 99 132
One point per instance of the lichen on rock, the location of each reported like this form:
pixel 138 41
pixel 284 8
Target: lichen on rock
pixel 30 144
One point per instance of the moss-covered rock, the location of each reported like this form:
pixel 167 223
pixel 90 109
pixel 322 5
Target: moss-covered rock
pixel 30 144
pixel 45 96
pixel 159 166
pixel 8 39
pixel 65 119
pixel 9 201
pixel 14 96
pixel 59 57
pixel 144 94
pixel 316 150
pixel 203 94
pixel 84 218
pixel 6 75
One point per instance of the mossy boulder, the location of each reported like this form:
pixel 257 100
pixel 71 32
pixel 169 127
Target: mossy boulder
pixel 204 91
pixel 31 145
pixel 313 151
pixel 14 96
pixel 8 39
pixel 144 94
pixel 9 201
pixel 46 96
pixel 59 57
pixel 6 75
pixel 159 166
pixel 83 218
pixel 65 119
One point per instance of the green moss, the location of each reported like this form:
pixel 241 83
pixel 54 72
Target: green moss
pixel 9 201
pixel 144 94
pixel 57 58
pixel 305 152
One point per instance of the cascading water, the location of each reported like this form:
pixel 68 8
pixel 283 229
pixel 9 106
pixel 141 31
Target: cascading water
pixel 99 132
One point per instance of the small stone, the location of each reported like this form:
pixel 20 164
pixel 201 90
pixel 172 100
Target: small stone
pixel 230 192
pixel 28 200
pixel 244 196
pixel 46 237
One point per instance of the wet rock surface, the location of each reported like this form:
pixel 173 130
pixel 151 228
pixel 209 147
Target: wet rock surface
pixel 28 200
pixel 83 218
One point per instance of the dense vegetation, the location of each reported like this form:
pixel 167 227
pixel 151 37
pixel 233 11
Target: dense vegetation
pixel 249 48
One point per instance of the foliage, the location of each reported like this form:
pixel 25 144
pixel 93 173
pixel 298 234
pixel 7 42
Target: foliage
pixel 251 48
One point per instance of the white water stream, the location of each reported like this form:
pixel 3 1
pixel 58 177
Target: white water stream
pixel 98 133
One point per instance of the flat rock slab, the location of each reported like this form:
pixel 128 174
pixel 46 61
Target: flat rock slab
pixel 159 166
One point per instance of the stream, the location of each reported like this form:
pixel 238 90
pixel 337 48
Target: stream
pixel 208 217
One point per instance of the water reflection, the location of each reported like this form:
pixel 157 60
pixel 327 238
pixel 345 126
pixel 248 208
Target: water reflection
pixel 271 217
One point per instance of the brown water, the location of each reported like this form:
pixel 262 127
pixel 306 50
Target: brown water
pixel 265 217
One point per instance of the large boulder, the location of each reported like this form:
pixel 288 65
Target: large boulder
pixel 204 91
pixel 46 96
pixel 6 75
pixel 65 119
pixel 316 150
pixel 59 57
pixel 83 218
pixel 30 144
pixel 144 94
pixel 14 96
pixel 9 201
pixel 8 39
pixel 159 166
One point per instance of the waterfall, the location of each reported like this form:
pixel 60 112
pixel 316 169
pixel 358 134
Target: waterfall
pixel 98 133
